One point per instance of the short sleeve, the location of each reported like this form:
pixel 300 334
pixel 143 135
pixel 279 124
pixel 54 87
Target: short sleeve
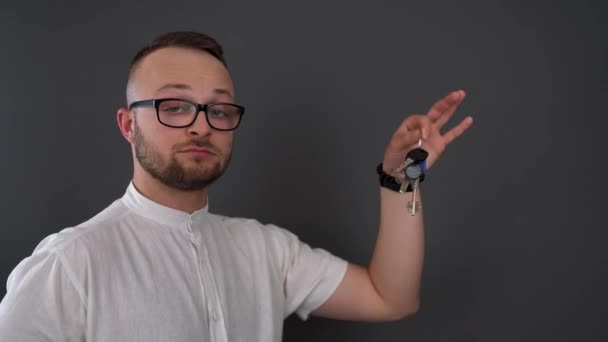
pixel 310 275
pixel 42 303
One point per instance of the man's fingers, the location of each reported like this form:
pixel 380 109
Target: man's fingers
pixel 412 129
pixel 442 110
pixel 455 132
pixel 419 124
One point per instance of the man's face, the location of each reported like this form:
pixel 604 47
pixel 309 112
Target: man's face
pixel 189 158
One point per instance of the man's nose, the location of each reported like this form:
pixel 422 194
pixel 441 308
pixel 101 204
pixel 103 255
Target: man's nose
pixel 200 126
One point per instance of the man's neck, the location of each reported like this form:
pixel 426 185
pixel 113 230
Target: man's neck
pixel 187 201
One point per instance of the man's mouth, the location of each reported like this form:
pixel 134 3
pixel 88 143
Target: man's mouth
pixel 197 151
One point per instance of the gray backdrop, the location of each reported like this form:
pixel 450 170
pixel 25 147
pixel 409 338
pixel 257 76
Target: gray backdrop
pixel 512 210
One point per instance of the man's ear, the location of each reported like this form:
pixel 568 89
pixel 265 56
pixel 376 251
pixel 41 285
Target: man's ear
pixel 126 123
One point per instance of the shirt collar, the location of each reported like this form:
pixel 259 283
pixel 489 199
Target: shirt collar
pixel 144 206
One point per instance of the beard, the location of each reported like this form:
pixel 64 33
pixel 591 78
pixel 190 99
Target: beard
pixel 173 174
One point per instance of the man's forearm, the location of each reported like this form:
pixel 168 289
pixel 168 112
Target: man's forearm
pixel 396 265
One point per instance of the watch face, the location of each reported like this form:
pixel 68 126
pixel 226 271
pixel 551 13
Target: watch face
pixel 413 171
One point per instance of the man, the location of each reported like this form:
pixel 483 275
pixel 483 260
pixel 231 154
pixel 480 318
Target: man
pixel 157 266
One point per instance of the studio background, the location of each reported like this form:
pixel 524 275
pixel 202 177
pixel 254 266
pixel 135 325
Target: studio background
pixel 514 215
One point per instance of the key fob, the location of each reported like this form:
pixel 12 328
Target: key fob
pixel 418 155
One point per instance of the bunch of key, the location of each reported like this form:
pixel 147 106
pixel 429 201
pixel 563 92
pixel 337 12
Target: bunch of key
pixel 413 167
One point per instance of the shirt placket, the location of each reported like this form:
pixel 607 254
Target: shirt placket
pixel 215 316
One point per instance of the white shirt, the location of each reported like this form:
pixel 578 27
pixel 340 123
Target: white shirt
pixel 139 271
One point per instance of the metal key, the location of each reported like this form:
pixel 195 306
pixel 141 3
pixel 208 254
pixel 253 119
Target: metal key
pixel 413 174
pixel 413 205
pixel 411 157
pixel 413 167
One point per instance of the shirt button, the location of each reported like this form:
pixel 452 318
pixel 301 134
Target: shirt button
pixel 214 316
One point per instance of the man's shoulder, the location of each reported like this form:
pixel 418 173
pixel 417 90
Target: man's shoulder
pixel 67 244
pixel 241 223
pixel 250 228
pixel 234 221
pixel 105 219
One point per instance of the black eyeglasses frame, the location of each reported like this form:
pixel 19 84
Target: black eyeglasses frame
pixel 199 107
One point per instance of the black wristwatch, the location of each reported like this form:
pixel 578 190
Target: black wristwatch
pixel 391 182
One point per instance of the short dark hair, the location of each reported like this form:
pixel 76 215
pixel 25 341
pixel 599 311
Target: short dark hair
pixel 186 39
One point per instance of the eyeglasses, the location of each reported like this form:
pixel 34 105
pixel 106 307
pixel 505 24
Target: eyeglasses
pixel 178 113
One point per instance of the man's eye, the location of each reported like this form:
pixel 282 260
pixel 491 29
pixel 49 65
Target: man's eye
pixel 217 113
pixel 174 109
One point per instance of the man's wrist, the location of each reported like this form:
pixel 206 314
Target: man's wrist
pixel 390 182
